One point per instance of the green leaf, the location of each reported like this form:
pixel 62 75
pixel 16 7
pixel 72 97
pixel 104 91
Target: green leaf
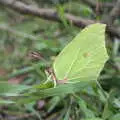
pixel 84 57
pixel 6 102
pixel 7 89
pixel 93 119
pixel 58 90
pixel 83 107
pixel 53 103
pixel 115 117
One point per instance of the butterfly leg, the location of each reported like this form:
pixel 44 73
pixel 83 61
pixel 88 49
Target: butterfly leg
pixel 55 83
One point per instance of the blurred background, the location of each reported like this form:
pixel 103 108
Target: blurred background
pixel 33 32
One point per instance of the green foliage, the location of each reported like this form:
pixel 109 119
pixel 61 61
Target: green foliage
pixel 72 63
pixel 36 98
pixel 7 89
pixel 6 102
pixel 93 119
pixel 115 117
pixel 79 9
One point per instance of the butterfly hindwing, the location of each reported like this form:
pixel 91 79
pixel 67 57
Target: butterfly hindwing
pixel 84 57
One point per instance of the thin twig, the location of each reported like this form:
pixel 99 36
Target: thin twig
pixel 115 12
pixel 52 15
pixel 93 3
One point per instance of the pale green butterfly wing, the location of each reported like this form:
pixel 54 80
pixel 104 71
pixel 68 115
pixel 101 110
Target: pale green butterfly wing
pixel 84 57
